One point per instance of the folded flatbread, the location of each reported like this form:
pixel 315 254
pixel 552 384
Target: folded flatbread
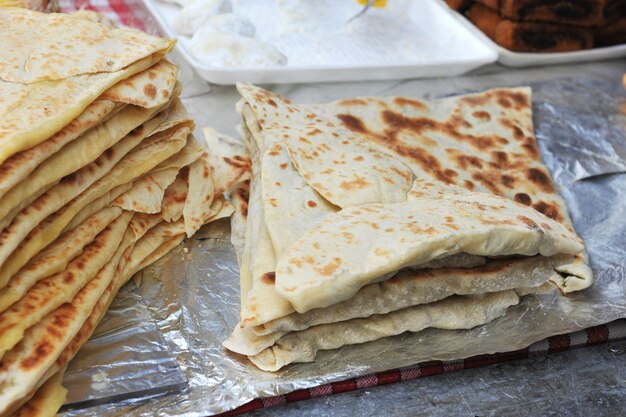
pixel 144 156
pixel 357 245
pixel 85 149
pixel 453 313
pixel 56 256
pixel 483 142
pixel 307 261
pixel 48 294
pixel 41 91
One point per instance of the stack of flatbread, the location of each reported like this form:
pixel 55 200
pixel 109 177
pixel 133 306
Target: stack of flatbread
pixel 371 217
pixel 100 176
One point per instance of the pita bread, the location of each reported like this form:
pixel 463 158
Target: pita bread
pixel 42 92
pixel 228 158
pixel 161 251
pixel 482 142
pixel 452 313
pixel 56 256
pixel 141 223
pixel 47 400
pixel 200 195
pixel 149 153
pixel 17 167
pixel 77 154
pixel 161 76
pixel 329 263
pixel 342 167
pixel 149 89
pixel 123 273
pixel 239 196
pixel 423 286
pixel 259 300
pixel 292 224
pixel 220 209
pixel 146 194
pixel 189 154
pixel 176 116
pixel 27 365
pixel 175 197
pixel 48 294
pixel 97 205
pixel 83 47
pixel 69 188
pixel 216 171
pixel 150 242
pixel 406 289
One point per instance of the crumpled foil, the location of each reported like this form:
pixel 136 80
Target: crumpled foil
pixel 191 297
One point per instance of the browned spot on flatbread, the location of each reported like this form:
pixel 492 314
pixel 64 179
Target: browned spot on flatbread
pixel 522 198
pixel 514 99
pixel 508 181
pixel 237 162
pixel 482 115
pixel 348 237
pixel 352 123
pixel 272 103
pixel 495 222
pixel 299 262
pixel 467 160
pixel 549 210
pixel 530 147
pixel 329 268
pixel 150 90
pixel 469 185
pixel 403 101
pixel 397 122
pixel 527 221
pixel 540 179
pixel 283 165
pixel 43 349
pixel 504 102
pixel 353 102
pixel 315 131
pixel 357 183
pixel 415 229
pixel 486 179
pixel 269 278
pixel 382 252
pixel 165 94
pixel 518 133
pixel 311 203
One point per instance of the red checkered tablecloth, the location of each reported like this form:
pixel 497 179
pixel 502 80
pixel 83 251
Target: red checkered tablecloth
pixel 123 12
pixel 134 14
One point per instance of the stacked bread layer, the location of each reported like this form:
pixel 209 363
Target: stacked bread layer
pixel 100 176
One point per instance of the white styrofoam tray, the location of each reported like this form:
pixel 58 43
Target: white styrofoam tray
pixel 528 59
pixel 428 42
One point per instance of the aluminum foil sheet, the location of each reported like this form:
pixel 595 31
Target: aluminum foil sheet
pixel 191 297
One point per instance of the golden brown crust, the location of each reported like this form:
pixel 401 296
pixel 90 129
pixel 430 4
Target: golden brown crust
pixel 574 12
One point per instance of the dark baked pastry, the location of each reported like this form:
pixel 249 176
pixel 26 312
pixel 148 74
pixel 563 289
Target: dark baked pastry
pixel 530 36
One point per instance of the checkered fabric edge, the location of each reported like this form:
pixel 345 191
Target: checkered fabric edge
pixel 592 336
pixel 131 13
